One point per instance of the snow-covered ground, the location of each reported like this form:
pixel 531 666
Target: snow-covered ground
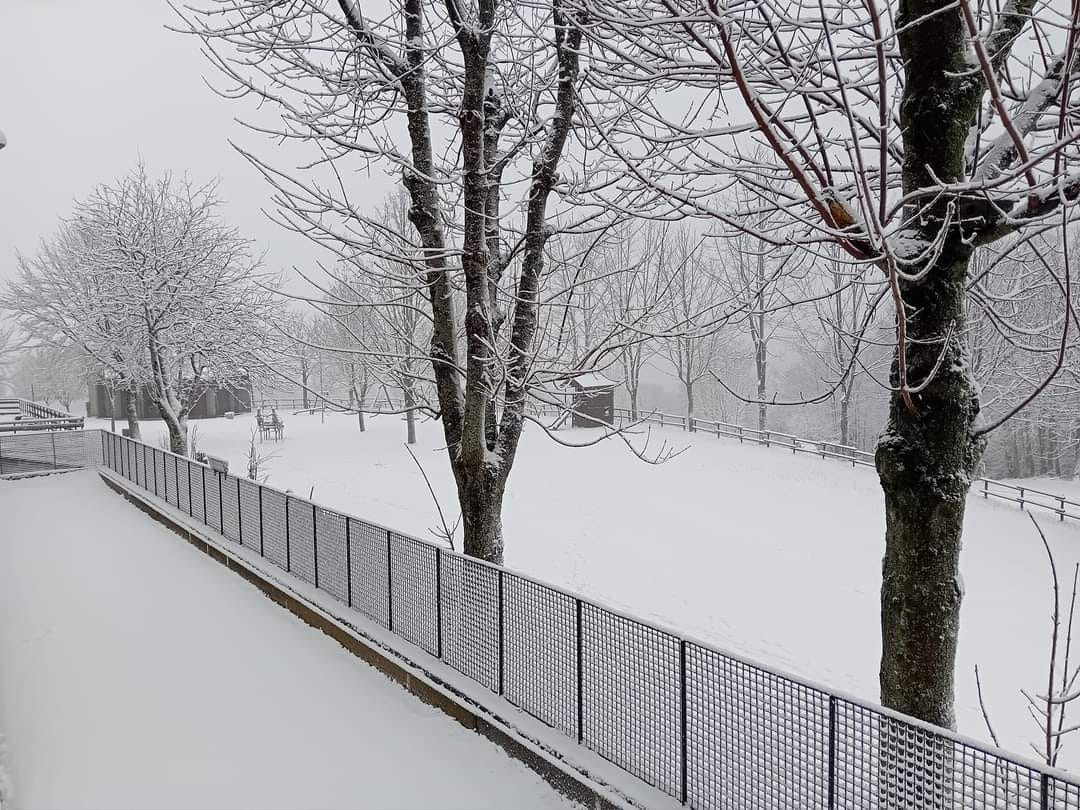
pixel 135 672
pixel 753 549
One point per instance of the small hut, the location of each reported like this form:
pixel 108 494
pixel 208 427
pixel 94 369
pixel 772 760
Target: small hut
pixel 592 400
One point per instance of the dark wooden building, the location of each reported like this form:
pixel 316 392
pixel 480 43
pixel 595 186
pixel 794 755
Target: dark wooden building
pixel 592 399
pixel 215 401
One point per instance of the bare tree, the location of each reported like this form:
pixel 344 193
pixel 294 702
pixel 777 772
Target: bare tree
pixel 53 374
pixel 148 281
pixel 635 295
pixel 691 338
pixel 843 331
pixel 908 134
pixel 484 99
pixel 62 298
pixel 757 273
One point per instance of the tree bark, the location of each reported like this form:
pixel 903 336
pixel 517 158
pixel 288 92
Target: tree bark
pixel 481 500
pixel 410 414
pixel 133 414
pixel 178 431
pixel 689 405
pixel 927 455
pixel 925 461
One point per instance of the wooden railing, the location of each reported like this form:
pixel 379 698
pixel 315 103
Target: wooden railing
pixel 35 416
pixel 1023 496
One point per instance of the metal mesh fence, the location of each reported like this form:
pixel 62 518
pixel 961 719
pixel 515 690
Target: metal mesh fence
pixel 708 729
pixel 214 484
pixel 183 485
pixel 470 619
pixel 168 464
pixel 250 517
pixel 370 559
pixel 331 553
pixel 540 649
pixel 230 507
pixel 631 696
pixel 413 591
pixel 273 511
pixel 302 539
pixel 198 492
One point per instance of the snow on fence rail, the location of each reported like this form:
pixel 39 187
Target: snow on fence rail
pixel 1024 497
pixel 34 416
pixel 711 729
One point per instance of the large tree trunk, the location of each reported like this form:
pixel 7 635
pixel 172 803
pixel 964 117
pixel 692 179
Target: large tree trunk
pixel 133 414
pixel 925 461
pixel 689 406
pixel 410 413
pixel 928 452
pixel 480 496
pixel 178 431
pixel 304 374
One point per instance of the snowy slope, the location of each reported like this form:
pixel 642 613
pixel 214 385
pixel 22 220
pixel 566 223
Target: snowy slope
pixel 135 672
pixel 753 549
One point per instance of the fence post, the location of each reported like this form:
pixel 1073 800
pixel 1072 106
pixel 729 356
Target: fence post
pixel 389 587
pixel 682 718
pixel 1021 499
pixel 103 454
pixel 1044 792
pixel 220 500
pixel 986 488
pixel 202 477
pixel 832 752
pixel 501 645
pixel 438 602
pixel 580 678
pixel 1061 514
pixel 288 551
pixel 2 453
pixel 315 542
pixel 261 544
pixel 190 508
pixel 239 515
pixel 348 560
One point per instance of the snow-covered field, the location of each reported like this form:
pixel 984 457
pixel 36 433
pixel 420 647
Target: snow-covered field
pixel 136 672
pixel 753 549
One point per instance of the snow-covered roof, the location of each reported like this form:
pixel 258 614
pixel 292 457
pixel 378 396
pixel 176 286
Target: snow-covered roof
pixel 592 380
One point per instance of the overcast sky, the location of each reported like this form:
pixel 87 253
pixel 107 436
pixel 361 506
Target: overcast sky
pixel 87 88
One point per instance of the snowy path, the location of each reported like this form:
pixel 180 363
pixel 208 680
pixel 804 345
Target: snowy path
pixel 136 672
pixel 757 550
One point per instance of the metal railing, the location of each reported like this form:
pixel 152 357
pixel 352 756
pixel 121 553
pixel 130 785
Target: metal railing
pixel 35 416
pixel 1023 496
pixel 708 728
pixel 316 403
pixel 41 452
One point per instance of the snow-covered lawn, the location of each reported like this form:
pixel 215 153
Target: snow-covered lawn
pixel 753 549
pixel 136 672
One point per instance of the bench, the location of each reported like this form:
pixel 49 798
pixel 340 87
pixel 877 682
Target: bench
pixel 270 427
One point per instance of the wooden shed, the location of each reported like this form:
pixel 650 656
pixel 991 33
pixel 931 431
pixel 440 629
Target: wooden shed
pixel 593 400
